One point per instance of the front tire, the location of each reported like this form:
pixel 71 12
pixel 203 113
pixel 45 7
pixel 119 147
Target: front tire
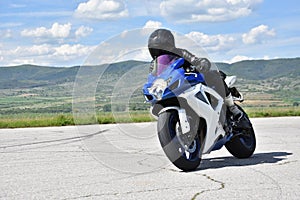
pixel 243 143
pixel 184 151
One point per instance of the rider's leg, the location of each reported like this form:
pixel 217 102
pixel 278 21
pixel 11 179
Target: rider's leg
pixel 212 79
pixel 237 113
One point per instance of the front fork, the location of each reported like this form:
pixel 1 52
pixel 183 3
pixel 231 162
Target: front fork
pixel 183 119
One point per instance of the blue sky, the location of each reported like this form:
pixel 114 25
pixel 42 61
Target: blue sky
pixel 65 33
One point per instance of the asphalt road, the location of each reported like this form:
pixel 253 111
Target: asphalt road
pixel 125 161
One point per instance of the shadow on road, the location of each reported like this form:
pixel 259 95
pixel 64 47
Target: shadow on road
pixel 259 158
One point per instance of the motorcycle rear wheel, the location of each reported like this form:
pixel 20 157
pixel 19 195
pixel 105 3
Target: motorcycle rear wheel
pixel 243 143
pixel 185 156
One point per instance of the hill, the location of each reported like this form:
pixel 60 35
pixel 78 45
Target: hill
pixel 263 69
pixel 37 89
pixel 30 76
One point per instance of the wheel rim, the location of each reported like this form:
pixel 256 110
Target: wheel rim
pixel 188 151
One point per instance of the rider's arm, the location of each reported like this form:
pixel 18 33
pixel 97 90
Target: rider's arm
pixel 201 64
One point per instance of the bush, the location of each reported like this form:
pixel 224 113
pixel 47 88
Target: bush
pixel 63 120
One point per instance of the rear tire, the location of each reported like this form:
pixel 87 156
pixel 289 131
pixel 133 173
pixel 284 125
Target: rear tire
pixel 186 156
pixel 243 143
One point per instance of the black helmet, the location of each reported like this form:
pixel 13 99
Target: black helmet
pixel 161 41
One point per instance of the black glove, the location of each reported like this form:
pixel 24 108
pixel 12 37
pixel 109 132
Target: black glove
pixel 201 64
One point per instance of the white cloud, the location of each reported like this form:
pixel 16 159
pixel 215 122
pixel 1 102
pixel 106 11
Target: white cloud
pixel 239 58
pixel 212 42
pixel 258 34
pixel 67 50
pixel 46 54
pixel 142 55
pixel 56 31
pixel 35 50
pixel 102 9
pixel 152 24
pixel 38 32
pixel 6 33
pixel 206 10
pixel 60 30
pixel 83 31
pixel 36 54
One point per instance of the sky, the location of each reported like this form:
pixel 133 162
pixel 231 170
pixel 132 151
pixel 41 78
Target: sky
pixel 66 33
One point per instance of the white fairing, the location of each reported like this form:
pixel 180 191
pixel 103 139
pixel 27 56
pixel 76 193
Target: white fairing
pixel 206 111
pixel 230 80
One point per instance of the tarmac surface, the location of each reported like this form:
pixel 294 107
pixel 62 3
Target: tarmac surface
pixel 125 161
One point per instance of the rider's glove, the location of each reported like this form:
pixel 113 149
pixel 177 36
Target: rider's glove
pixel 201 64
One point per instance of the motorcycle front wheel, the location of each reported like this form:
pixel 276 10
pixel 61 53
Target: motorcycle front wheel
pixel 183 150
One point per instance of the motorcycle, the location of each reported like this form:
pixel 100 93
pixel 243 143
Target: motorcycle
pixel 189 115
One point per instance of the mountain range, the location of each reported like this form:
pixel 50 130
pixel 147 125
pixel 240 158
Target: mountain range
pixel 263 69
pixel 258 78
pixel 29 76
pixel 41 89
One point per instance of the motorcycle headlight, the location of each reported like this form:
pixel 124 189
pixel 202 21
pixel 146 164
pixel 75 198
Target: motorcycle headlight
pixel 158 88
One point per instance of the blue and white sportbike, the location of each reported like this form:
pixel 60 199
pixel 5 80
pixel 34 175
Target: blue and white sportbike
pixel 192 117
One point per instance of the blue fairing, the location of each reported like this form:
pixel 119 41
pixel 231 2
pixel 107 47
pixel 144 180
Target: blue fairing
pixel 221 142
pixel 177 81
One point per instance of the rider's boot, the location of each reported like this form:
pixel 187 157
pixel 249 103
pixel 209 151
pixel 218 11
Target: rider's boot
pixel 237 113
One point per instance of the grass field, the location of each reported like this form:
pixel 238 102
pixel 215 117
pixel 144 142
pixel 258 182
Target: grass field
pixel 43 120
pixel 52 105
pixel 50 119
pixel 272 111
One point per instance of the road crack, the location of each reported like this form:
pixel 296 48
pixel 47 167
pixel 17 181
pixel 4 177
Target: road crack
pixel 122 193
pixel 222 186
pixel 288 162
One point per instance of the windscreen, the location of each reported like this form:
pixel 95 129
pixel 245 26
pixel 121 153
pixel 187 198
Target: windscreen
pixel 161 63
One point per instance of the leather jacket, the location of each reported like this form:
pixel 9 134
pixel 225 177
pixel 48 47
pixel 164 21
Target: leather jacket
pixel 201 64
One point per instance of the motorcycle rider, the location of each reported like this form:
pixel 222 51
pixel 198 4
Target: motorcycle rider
pixel 162 42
